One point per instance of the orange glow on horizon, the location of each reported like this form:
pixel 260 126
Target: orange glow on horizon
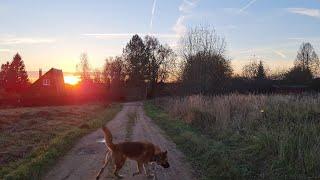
pixel 72 80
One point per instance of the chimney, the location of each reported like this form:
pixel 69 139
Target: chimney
pixel 40 72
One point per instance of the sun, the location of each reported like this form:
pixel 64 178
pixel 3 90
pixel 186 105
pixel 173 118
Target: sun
pixel 73 80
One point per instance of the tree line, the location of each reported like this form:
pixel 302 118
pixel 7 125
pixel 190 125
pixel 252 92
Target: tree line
pixel 306 67
pixel 144 62
pixel 200 65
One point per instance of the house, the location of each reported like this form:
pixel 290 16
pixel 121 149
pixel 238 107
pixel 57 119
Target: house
pixel 49 84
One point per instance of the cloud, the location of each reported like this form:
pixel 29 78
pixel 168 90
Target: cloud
pixel 5 50
pixel 152 13
pixel 188 5
pixel 180 27
pixel 126 35
pixel 296 38
pixel 247 5
pixel 9 40
pixel 280 53
pixel 185 12
pixel 305 12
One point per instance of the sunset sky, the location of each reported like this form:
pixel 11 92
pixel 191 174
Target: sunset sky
pixel 54 33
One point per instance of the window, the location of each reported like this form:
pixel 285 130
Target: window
pixel 46 82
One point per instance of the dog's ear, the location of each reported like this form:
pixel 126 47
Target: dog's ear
pixel 166 152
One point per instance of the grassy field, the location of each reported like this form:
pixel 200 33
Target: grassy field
pixel 31 139
pixel 245 136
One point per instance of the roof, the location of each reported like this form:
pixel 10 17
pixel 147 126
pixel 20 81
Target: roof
pixel 52 70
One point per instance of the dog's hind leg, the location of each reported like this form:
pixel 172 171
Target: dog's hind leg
pixel 140 166
pixel 119 162
pixel 106 160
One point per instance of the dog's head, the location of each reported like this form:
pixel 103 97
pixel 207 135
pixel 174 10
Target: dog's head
pixel 162 159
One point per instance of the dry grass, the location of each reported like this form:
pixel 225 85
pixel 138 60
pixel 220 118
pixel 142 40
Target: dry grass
pixel 23 130
pixel 253 136
pixel 238 112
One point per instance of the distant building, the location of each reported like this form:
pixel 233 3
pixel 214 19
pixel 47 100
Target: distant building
pixel 49 84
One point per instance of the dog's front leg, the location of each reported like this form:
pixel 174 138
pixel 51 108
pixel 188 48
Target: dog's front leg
pixel 139 167
pixel 149 170
pixel 106 160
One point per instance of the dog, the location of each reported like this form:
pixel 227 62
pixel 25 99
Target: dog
pixel 142 152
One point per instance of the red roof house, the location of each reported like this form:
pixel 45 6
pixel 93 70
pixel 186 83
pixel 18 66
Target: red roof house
pixel 49 84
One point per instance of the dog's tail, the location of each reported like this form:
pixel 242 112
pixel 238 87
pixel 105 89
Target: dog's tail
pixel 108 138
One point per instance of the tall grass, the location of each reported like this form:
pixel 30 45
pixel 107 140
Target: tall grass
pixel 264 135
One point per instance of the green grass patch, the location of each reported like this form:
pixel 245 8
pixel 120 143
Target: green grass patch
pixel 34 165
pixel 280 150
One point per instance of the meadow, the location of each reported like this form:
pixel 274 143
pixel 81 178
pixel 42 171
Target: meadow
pixel 244 136
pixel 31 139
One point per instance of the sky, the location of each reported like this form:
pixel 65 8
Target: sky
pixel 50 33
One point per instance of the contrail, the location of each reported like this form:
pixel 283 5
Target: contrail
pixel 247 6
pixel 152 13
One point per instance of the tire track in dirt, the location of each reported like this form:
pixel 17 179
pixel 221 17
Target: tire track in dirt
pixel 86 158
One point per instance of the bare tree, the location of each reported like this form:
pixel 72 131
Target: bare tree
pixel 255 69
pixel 97 76
pixel 250 70
pixel 205 68
pixel 307 58
pixel 202 39
pixel 114 71
pixel 84 68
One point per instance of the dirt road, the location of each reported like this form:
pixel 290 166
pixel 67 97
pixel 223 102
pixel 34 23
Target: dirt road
pixel 86 157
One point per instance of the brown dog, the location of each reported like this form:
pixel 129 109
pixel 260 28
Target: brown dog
pixel 142 152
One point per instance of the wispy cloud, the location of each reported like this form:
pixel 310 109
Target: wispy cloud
pixel 5 50
pixel 9 40
pixel 305 12
pixel 296 38
pixel 185 12
pixel 126 35
pixel 152 13
pixel 188 5
pixel 251 2
pixel 180 27
pixel 280 53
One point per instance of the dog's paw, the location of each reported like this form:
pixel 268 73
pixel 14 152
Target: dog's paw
pixel 136 173
pixel 119 176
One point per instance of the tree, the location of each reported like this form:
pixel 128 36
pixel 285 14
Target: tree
pixel 4 72
pixel 205 68
pixel 254 70
pixel 114 71
pixel 307 58
pixel 136 61
pixel 160 61
pixel 97 76
pixel 299 75
pixel 261 72
pixel 17 78
pixel 84 68
pixel 250 70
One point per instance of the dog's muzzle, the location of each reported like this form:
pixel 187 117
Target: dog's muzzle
pixel 165 165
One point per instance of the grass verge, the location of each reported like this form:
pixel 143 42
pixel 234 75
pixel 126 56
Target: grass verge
pixel 34 165
pixel 199 150
pixel 238 156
